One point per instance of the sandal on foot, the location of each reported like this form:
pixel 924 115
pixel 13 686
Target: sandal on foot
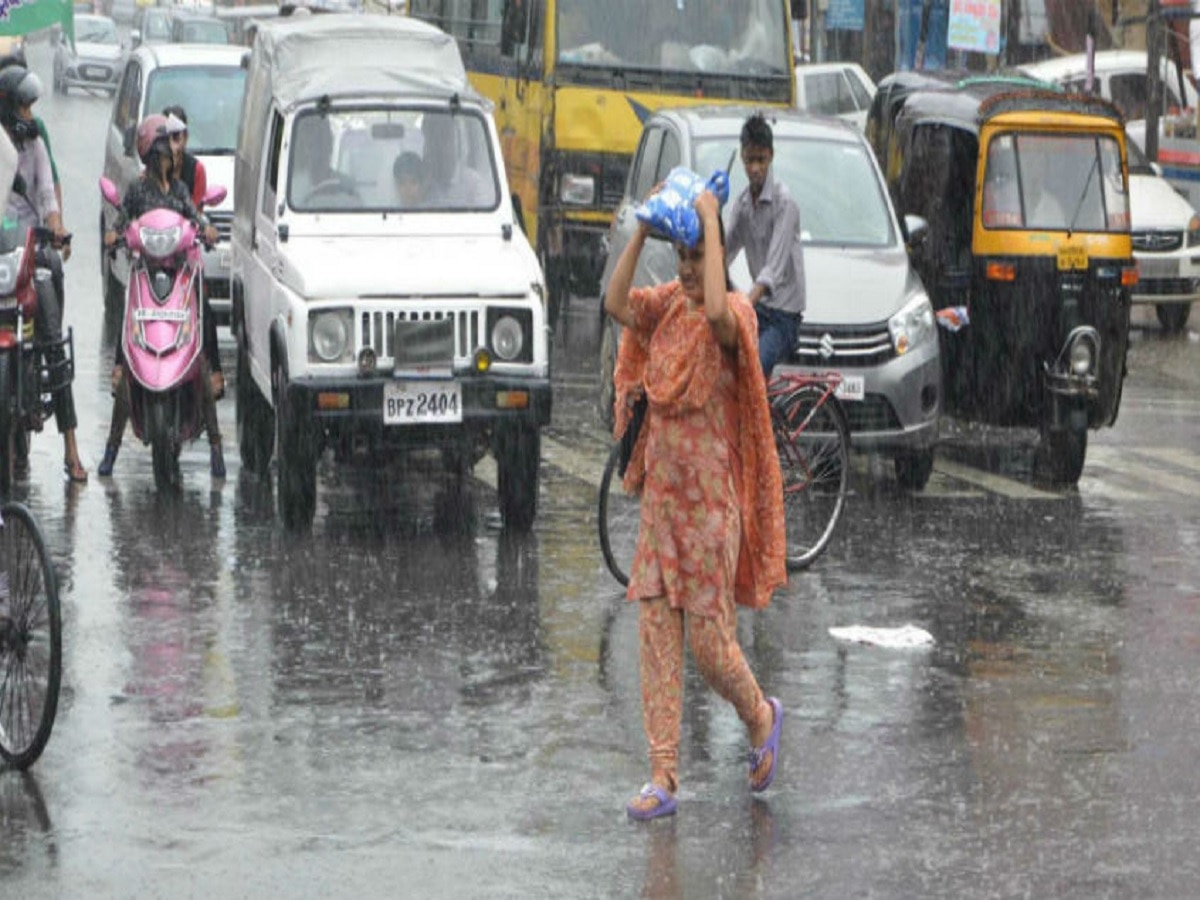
pixel 759 754
pixel 664 804
pixel 75 472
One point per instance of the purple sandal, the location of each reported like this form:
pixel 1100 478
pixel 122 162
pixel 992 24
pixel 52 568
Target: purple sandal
pixel 666 804
pixel 771 746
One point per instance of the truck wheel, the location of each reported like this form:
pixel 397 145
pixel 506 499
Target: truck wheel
pixel 1063 453
pixel 255 420
pixel 297 489
pixel 913 469
pixel 518 450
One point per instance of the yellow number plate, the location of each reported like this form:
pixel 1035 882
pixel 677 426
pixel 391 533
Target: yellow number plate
pixel 1072 256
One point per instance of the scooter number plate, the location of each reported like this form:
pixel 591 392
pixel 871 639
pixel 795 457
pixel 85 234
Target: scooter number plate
pixel 1072 257
pixel 419 402
pixel 160 315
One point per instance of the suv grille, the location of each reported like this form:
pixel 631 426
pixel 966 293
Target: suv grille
pixel 843 347
pixel 377 330
pixel 1157 241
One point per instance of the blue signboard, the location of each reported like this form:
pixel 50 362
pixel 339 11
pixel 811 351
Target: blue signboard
pixel 845 15
pixel 909 34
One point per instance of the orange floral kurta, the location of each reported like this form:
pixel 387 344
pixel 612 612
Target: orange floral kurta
pixel 712 511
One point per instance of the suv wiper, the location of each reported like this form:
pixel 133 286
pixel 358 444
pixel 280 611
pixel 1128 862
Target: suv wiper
pixel 1083 195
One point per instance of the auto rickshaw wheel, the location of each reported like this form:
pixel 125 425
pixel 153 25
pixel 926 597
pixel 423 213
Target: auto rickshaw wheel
pixel 1062 454
pixel 1173 316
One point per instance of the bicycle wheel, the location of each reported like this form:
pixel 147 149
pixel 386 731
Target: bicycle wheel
pixel 30 639
pixel 814 454
pixel 619 518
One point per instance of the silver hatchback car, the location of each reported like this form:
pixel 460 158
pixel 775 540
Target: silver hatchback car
pixel 868 318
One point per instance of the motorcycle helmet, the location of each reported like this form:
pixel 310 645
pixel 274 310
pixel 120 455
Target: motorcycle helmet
pixel 152 139
pixel 18 87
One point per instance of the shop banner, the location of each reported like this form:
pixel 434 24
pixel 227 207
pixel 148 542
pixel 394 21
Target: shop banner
pixel 842 15
pixel 975 25
pixel 24 16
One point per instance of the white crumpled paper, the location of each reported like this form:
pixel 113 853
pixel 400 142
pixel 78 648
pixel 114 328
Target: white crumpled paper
pixel 906 637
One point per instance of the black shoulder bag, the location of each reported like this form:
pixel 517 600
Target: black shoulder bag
pixel 629 438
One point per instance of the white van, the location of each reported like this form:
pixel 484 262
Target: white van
pixel 384 297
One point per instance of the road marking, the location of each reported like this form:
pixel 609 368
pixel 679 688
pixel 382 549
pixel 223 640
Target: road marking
pixel 996 484
pixel 1120 461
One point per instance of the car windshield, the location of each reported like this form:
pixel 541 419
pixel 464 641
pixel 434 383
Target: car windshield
pixel 835 184
pixel 156 27
pixel 1055 182
pixel 748 37
pixel 202 31
pixel 95 31
pixel 212 98
pixel 391 160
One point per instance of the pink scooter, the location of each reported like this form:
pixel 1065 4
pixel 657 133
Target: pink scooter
pixel 162 334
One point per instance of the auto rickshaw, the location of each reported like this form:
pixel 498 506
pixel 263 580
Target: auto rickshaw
pixel 1027 251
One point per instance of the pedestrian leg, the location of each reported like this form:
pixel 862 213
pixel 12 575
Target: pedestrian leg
pixel 660 638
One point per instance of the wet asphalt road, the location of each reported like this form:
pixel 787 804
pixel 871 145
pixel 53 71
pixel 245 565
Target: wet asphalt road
pixel 407 703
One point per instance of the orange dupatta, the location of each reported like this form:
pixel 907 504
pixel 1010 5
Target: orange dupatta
pixel 683 377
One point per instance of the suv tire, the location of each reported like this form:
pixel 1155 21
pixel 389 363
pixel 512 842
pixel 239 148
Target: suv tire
pixel 297 488
pixel 518 451
pixel 255 420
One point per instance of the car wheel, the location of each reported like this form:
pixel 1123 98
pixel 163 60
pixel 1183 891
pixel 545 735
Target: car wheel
pixel 913 469
pixel 1173 316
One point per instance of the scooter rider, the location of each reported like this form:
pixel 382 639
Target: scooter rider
pixel 157 189
pixel 32 202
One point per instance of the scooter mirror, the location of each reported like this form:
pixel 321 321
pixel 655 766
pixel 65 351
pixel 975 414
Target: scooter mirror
pixel 214 195
pixel 109 191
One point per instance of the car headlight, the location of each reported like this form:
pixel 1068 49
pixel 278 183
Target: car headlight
pixel 508 338
pixel 329 334
pixel 578 190
pixel 160 241
pixel 913 325
pixel 10 268
pixel 1193 231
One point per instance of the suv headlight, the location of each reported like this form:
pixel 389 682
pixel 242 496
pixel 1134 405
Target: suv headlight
pixel 1193 231
pixel 913 325
pixel 160 242
pixel 510 334
pixel 329 335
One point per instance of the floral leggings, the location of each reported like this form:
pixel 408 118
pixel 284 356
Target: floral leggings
pixel 719 659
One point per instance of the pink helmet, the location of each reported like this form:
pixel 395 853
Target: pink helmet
pixel 151 129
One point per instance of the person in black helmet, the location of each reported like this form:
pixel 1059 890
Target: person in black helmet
pixel 32 202
pixel 157 188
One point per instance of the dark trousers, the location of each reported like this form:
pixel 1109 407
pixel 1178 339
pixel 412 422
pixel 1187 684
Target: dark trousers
pixel 47 325
pixel 777 334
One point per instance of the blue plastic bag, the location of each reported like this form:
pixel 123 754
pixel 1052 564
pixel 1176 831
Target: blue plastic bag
pixel 671 212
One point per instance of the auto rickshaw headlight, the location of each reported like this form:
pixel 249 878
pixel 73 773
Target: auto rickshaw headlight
pixel 913 326
pixel 1082 357
pixel 1193 231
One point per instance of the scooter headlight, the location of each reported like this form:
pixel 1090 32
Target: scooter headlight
pixel 10 268
pixel 329 335
pixel 160 242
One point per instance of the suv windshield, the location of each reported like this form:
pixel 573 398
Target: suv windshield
pixel 835 184
pixel 212 98
pixel 747 37
pixel 1059 182
pixel 391 160
pixel 95 31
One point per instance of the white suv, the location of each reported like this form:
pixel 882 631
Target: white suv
pixel 208 82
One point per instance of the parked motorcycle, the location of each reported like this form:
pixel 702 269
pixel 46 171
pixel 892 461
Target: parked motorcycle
pixel 162 331
pixel 32 369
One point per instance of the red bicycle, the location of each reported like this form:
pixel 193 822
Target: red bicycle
pixel 813 442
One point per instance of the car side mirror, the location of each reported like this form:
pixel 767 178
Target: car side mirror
pixel 130 134
pixel 916 230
